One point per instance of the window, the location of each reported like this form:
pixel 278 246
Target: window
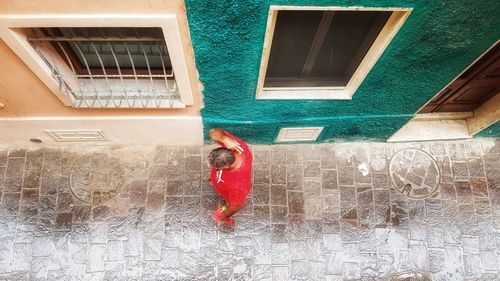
pixel 108 51
pixel 322 54
pixel 96 63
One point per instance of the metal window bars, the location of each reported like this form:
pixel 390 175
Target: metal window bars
pixel 111 75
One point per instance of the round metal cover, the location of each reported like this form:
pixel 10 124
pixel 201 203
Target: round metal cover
pixel 414 173
pixel 96 177
pixel 410 276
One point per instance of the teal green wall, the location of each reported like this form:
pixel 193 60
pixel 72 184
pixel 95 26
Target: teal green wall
pixel 437 41
pixel 492 131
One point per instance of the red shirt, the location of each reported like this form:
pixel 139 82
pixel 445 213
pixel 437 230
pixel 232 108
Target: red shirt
pixel 235 185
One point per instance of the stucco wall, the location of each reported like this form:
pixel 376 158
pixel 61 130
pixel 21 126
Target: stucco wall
pixel 23 94
pixel 438 40
pixel 490 132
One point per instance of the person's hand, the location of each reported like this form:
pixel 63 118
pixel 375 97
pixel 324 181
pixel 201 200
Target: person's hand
pixel 232 144
pixel 217 215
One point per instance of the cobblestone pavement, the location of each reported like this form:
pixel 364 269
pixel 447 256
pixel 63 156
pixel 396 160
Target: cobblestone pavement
pixel 354 211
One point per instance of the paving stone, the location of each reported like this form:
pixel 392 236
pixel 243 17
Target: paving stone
pixel 313 207
pixel 348 210
pixel 351 270
pixel 472 265
pixel 160 227
pixel 454 262
pixel 3 155
pixel 10 204
pixel 331 202
pixel 347 193
pixel 476 167
pixel 437 148
pixel 489 260
pixel 298 249
pixel 280 273
pixel 368 240
pixel 328 157
pixel 296 202
pixel 279 214
pixel 312 187
pixel 294 177
pixel 261 194
pixel 419 259
pixel 63 221
pixel 278 174
pixel 463 189
pixel 460 171
pixel 448 191
pixel 12 184
pixel 262 272
pixel 436 260
pixel 456 150
pixel 380 181
pixel 280 254
pixel 312 168
pixel 95 257
pixel 299 270
pixel 329 179
pixel 479 187
pixel 348 231
pixel 278 154
pixel 279 233
pixel 22 256
pixel 346 175
pixel 15 167
pixel 294 154
pixel 39 268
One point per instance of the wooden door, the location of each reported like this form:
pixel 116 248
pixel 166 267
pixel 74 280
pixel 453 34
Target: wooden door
pixel 476 85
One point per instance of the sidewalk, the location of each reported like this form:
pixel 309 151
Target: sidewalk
pixel 352 211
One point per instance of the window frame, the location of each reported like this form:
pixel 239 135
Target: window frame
pixel 11 33
pixel 383 39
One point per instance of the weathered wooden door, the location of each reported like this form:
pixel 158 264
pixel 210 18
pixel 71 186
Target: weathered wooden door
pixel 476 85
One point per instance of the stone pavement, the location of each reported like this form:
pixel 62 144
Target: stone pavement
pixel 353 211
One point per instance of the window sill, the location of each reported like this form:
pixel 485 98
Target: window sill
pixel 304 94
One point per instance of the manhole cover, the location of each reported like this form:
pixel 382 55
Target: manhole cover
pixel 414 173
pixel 410 276
pixel 95 178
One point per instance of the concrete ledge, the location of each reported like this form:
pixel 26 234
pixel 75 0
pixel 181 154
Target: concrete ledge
pixel 422 130
pixel 171 130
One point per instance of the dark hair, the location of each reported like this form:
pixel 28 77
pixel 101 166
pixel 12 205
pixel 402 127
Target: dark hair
pixel 221 157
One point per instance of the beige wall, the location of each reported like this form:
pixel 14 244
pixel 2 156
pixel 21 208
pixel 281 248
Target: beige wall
pixel 23 94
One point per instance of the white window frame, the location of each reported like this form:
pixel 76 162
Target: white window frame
pixel 17 41
pixel 390 29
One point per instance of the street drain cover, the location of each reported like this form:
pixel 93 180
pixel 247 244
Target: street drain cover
pixel 414 173
pixel 410 276
pixel 96 177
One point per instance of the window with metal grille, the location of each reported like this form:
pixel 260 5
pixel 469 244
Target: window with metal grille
pixel 323 52
pixel 115 67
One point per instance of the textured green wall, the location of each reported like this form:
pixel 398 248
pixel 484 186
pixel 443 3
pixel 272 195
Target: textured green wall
pixel 437 41
pixel 492 131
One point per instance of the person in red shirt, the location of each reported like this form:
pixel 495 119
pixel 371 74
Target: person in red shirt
pixel 231 174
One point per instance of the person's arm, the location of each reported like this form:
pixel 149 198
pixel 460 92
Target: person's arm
pixel 217 134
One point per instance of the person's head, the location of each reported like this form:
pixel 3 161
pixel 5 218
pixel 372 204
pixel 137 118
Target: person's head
pixel 221 158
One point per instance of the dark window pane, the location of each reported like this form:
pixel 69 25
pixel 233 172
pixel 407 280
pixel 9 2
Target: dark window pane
pixel 292 38
pixel 136 49
pixel 349 36
pixel 112 46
